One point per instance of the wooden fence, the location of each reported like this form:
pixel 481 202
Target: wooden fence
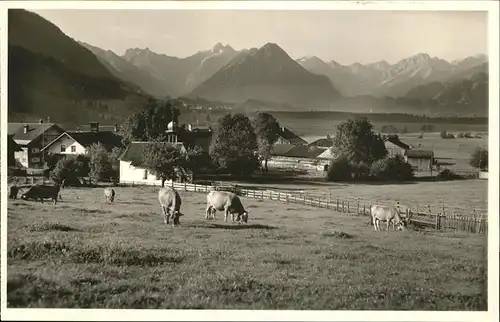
pixel 473 223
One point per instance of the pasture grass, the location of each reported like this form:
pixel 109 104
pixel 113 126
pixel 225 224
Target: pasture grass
pixel 288 256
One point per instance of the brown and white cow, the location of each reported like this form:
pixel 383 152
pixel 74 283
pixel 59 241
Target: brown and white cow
pixel 388 214
pixel 228 202
pixel 170 202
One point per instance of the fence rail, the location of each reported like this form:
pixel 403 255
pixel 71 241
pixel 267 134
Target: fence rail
pixel 474 223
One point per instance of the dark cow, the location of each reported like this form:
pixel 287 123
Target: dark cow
pixel 227 201
pixel 109 195
pixel 170 202
pixel 388 214
pixel 42 192
pixel 13 191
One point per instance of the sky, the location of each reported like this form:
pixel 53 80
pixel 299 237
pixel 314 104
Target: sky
pixel 343 36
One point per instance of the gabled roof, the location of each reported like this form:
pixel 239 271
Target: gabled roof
pixel 281 149
pixel 324 143
pixel 134 152
pixel 327 154
pixel 290 136
pixel 398 143
pixel 423 154
pixel 304 151
pixel 108 139
pixel 34 131
pixel 12 145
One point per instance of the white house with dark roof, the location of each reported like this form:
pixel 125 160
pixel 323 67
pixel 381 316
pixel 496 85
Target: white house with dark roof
pixel 33 137
pixel 419 159
pixel 131 171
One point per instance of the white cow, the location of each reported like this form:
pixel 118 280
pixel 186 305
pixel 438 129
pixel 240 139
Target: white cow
pixel 170 202
pixel 388 214
pixel 227 201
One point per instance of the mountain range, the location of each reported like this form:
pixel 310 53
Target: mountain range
pixel 63 78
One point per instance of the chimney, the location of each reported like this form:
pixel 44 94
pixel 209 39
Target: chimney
pixel 190 127
pixel 282 129
pixel 26 128
pixel 48 119
pixel 94 126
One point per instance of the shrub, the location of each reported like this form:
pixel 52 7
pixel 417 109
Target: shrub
pixel 460 135
pixel 445 135
pixel 392 168
pixel 70 168
pixel 447 174
pixel 339 169
pixel 479 158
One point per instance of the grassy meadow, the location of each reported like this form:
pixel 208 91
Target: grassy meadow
pixel 87 254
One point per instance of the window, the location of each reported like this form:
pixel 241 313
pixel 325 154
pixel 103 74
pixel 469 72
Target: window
pixel 35 160
pixel 145 174
pixel 35 150
pixel 63 148
pixel 73 148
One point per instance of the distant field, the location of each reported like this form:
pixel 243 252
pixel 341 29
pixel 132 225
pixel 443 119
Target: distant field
pixel 83 253
pixel 459 196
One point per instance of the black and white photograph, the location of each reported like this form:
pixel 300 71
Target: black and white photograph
pixel 242 157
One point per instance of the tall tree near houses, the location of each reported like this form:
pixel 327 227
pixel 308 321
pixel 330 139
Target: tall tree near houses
pixel 151 122
pixel 234 149
pixel 356 140
pixel 266 129
pixel 166 161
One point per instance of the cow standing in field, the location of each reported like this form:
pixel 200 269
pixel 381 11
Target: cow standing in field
pixel 13 191
pixel 388 214
pixel 42 192
pixel 170 202
pixel 227 201
pixel 109 195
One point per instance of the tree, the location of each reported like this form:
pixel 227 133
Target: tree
pixel 266 129
pixel 479 158
pixel 234 148
pixel 151 122
pixel 165 161
pixel 339 169
pixel 356 140
pixel 198 160
pixel 70 168
pixel 392 168
pixel 100 164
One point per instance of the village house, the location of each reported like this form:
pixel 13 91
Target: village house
pixel 77 142
pixel 323 143
pixel 182 138
pixel 12 148
pixel 395 147
pixel 285 136
pixel 32 137
pixel 420 160
pixel 300 157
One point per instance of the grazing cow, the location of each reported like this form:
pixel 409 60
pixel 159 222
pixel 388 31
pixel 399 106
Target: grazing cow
pixel 109 195
pixel 13 191
pixel 227 201
pixel 170 202
pixel 42 192
pixel 388 214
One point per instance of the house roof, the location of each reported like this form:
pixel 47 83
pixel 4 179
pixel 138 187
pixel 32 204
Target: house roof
pixel 86 128
pixel 108 139
pixel 325 143
pixel 290 136
pixel 34 131
pixel 327 154
pixel 297 151
pixel 12 145
pixel 422 154
pixel 135 150
pixel 281 149
pixel 398 143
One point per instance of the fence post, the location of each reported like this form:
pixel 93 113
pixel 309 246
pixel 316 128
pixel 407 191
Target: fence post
pixel 343 209
pixel 348 206
pixel 270 195
pixel 364 209
pixel 185 186
pixel 337 207
pixel 357 206
pixel 304 199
